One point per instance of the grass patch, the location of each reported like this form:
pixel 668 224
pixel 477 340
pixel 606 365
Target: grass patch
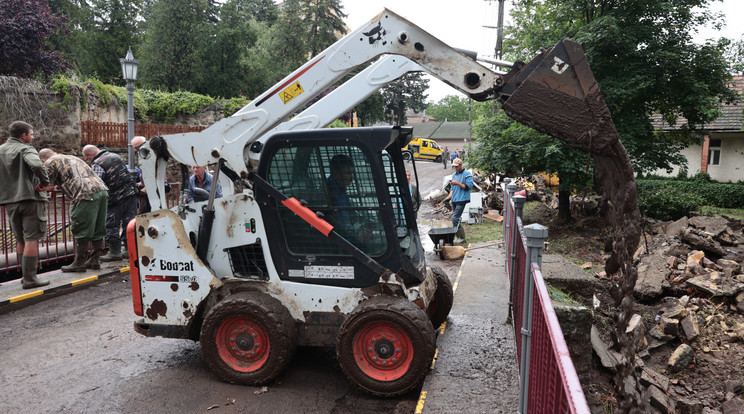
pixel 489 231
pixel 736 213
pixel 561 296
pixel 529 206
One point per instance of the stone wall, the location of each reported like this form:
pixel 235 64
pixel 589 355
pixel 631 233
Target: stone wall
pixel 57 124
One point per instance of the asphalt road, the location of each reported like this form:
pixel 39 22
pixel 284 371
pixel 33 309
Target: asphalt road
pixel 79 353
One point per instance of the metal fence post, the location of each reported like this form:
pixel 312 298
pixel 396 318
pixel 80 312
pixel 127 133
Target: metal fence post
pixel 536 235
pixel 512 249
pixel 508 219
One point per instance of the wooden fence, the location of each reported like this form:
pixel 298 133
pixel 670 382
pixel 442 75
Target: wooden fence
pixel 114 135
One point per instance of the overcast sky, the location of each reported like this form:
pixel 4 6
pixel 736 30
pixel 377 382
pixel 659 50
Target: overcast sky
pixel 460 23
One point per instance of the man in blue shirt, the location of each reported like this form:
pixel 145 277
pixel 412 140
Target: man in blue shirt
pixel 203 180
pixel 461 183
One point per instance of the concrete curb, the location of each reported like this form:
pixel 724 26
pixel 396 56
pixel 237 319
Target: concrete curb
pixel 11 300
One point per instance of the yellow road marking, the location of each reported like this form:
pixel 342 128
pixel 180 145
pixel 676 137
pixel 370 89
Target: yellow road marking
pixel 434 360
pixel 421 401
pixel 26 296
pixel 85 280
pixel 124 269
pixel 442 327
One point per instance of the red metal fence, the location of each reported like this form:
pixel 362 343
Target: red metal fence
pixel 57 247
pixel 552 384
pixel 114 135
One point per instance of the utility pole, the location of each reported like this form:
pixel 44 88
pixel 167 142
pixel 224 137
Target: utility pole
pixel 500 32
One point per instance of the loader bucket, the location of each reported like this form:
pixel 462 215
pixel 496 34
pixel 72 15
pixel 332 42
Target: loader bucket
pixel 556 94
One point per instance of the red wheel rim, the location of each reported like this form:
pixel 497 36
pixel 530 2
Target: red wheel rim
pixel 242 344
pixel 383 351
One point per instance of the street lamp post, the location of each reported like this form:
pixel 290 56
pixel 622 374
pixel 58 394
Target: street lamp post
pixel 129 68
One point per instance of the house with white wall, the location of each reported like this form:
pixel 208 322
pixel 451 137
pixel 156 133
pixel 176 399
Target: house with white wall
pixel 721 153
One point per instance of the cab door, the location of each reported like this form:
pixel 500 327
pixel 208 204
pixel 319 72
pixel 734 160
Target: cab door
pixel 354 199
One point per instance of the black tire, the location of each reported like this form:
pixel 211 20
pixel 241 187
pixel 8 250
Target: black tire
pixel 385 346
pixel 438 159
pixel 243 323
pixel 406 156
pixel 444 296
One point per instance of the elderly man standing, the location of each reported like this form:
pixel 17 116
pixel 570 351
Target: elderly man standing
pixel 22 173
pixel 122 202
pixel 88 196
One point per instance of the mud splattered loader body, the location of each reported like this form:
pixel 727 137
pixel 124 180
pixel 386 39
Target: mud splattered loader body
pixel 315 241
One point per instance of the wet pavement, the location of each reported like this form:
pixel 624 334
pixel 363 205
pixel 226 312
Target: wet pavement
pixel 475 369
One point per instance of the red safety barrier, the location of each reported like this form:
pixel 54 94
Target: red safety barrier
pixel 554 386
pixel 57 247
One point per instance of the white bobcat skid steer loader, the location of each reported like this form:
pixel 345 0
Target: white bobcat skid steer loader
pixel 321 247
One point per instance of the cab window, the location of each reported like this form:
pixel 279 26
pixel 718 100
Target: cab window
pixel 336 181
pixel 424 144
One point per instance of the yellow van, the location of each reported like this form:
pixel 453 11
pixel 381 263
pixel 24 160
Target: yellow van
pixel 424 148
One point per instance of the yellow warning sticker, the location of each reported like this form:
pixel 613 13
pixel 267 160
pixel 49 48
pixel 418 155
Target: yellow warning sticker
pixel 291 92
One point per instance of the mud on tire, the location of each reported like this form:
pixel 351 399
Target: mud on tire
pixel 441 306
pixel 248 338
pixel 386 345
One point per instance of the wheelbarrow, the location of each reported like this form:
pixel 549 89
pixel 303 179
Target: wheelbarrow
pixel 441 237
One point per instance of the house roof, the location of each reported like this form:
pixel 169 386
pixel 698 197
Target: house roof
pixel 729 121
pixel 442 130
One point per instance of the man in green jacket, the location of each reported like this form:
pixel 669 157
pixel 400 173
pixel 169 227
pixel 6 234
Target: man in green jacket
pixel 22 173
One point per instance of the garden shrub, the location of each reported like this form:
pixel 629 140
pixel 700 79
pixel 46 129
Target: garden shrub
pixel 665 205
pixel 698 191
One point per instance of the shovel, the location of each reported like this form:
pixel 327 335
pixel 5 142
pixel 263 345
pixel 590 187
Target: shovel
pixel 458 252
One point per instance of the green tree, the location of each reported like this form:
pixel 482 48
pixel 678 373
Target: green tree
pixel 265 11
pixel 644 60
pixel 235 34
pixel 408 92
pixel 371 110
pixel 302 29
pixel 173 52
pixel 70 39
pixel 450 108
pixel 507 146
pixel 283 47
pixel 735 54
pixel 112 31
pixel 323 20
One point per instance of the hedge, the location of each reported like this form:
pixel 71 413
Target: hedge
pixel 671 199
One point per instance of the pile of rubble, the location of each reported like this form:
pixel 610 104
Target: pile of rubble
pixel 689 330
pixel 700 253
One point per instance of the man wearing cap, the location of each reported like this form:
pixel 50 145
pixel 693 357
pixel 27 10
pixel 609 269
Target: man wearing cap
pixel 461 183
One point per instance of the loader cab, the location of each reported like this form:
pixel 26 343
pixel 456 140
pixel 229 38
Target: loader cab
pixel 354 178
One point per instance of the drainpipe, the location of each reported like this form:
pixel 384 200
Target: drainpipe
pixel 705 154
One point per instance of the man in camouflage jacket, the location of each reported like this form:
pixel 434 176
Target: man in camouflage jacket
pixel 88 197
